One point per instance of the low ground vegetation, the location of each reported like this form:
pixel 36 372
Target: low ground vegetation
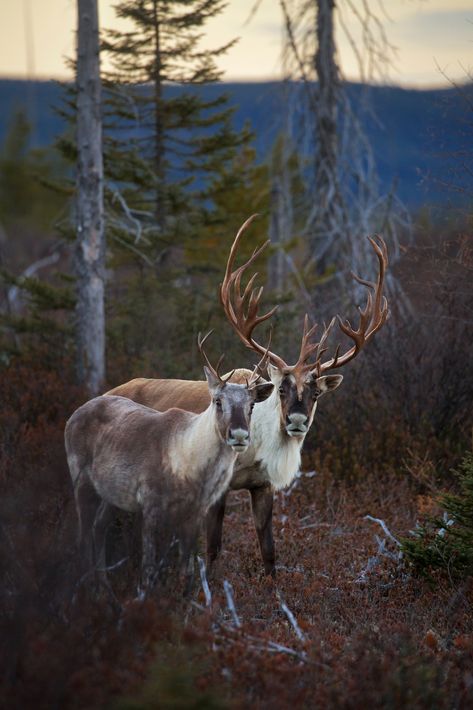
pixel 347 623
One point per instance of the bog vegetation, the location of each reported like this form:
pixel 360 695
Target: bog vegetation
pixel 371 603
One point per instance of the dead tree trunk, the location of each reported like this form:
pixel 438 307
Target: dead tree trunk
pixel 277 235
pixel 330 219
pixel 90 238
pixel 160 213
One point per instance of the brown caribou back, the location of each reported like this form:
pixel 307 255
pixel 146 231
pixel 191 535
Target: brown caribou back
pixel 191 395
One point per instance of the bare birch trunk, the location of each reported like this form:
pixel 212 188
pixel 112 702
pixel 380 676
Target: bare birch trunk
pixel 90 241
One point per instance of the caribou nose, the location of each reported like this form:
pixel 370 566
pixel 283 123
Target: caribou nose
pixel 239 438
pixel 297 423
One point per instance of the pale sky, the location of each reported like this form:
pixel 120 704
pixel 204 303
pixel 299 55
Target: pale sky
pixel 431 37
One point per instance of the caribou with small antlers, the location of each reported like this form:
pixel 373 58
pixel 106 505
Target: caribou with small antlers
pixel 279 424
pixel 171 466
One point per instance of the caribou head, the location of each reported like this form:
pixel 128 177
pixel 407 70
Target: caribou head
pixel 232 404
pixel 297 387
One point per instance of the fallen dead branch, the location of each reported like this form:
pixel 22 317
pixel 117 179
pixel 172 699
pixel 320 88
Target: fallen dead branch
pixel 382 551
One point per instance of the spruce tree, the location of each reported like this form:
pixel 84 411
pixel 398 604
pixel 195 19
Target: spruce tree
pixel 170 154
pixel 166 135
pixel 447 543
pixel 32 309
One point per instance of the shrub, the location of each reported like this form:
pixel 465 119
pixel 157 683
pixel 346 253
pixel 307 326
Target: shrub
pixel 447 543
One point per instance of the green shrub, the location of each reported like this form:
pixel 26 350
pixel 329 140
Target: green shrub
pixel 447 543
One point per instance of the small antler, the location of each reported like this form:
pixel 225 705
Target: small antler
pixel 214 370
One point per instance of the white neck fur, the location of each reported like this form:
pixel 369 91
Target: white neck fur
pixel 276 452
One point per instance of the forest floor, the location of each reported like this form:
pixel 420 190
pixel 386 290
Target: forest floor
pixel 345 624
pixel 358 637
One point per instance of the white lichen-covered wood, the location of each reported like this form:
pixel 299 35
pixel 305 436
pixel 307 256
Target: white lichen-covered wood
pixel 90 240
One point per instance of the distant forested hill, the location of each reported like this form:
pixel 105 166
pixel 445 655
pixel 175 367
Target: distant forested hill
pixel 415 136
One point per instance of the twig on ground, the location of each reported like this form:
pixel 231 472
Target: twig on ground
pixel 382 551
pixel 204 581
pixel 385 528
pixel 231 603
pixel 291 617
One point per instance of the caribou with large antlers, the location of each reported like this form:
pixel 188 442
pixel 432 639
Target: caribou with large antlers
pixel 280 424
pixel 171 466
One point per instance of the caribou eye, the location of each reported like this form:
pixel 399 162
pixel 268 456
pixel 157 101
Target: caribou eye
pixel 281 390
pixel 218 403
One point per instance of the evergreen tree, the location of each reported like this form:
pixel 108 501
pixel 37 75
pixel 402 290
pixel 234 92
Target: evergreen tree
pixel 24 175
pixel 447 543
pixel 166 134
pixel 179 182
pixel 31 308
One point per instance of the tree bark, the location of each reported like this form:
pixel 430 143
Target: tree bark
pixel 330 221
pixel 158 128
pixel 279 230
pixel 90 236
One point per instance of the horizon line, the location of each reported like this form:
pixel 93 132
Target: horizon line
pixel 264 80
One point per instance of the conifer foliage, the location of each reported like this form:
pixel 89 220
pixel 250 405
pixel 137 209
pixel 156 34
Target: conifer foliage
pixel 165 139
pixel 447 543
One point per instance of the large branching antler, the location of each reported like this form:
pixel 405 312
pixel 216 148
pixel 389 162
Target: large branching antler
pixel 258 370
pixel 241 310
pixel 371 318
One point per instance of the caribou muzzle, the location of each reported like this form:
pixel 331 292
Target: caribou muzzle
pixel 238 439
pixel 297 424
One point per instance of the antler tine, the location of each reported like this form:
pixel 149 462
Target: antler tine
pixel 200 344
pixel 227 377
pixel 321 344
pixel 371 318
pixel 381 302
pixel 260 366
pixel 307 349
pixel 236 241
pixel 220 360
pixel 251 320
pixel 240 308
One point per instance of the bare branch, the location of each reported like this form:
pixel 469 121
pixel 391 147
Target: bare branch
pixel 291 617
pixel 231 602
pixel 384 527
pixel 204 581
pixel 13 293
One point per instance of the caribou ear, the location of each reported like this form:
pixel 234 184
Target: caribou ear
pixel 262 391
pixel 328 382
pixel 212 381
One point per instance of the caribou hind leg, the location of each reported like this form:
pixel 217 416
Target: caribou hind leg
pixel 102 521
pixel 87 504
